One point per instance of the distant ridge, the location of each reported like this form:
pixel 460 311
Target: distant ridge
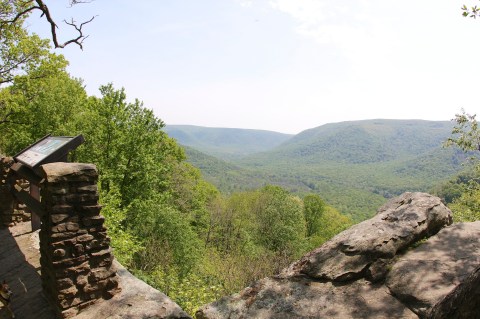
pixel 366 141
pixel 355 166
pixel 226 143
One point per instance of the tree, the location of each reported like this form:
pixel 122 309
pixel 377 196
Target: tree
pixel 281 225
pixel 466 208
pixel 24 58
pixel 313 209
pixel 126 142
pixel 22 53
pixel 465 133
pixel 32 108
pixel 169 240
pixel 466 136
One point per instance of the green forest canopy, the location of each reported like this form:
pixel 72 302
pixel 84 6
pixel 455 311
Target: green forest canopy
pixel 168 225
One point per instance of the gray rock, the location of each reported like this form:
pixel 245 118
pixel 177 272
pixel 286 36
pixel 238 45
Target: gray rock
pixel 58 172
pixel 399 223
pixel 136 300
pixel 303 298
pixel 423 277
pixel 462 303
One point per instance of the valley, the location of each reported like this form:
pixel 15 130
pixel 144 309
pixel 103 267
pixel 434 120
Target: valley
pixel 354 166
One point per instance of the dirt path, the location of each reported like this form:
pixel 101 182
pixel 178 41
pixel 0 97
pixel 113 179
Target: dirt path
pixel 20 267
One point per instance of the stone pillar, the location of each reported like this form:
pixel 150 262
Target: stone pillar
pixel 7 201
pixel 76 257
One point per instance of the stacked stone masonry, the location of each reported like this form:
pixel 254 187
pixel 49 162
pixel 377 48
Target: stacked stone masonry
pixel 6 199
pixel 11 211
pixel 76 257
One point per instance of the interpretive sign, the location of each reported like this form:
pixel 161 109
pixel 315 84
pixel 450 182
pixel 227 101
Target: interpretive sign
pixel 47 150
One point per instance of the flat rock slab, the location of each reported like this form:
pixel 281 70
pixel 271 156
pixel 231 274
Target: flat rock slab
pixel 303 298
pixel 425 275
pixel 136 300
pixel 399 223
pixel 58 172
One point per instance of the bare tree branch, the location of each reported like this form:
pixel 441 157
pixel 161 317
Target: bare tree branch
pixel 78 40
pixel 53 26
pixel 32 5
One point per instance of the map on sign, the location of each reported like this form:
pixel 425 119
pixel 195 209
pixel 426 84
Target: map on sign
pixel 39 151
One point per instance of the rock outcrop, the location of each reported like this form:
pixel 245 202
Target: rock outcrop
pixel 380 268
pixel 399 223
pixel 423 277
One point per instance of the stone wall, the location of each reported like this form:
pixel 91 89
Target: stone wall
pixel 6 198
pixel 76 257
pixel 11 211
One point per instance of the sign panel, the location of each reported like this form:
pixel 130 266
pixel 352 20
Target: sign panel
pixel 48 149
pixel 40 151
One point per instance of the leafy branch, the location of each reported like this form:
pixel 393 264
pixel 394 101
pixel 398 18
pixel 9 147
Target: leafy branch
pixel 472 12
pixel 465 134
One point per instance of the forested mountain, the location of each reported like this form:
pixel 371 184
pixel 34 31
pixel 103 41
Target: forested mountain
pixel 354 166
pixel 360 142
pixel 226 143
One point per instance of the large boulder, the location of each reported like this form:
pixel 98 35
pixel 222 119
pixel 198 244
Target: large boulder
pixel 424 276
pixel 381 268
pixel 399 223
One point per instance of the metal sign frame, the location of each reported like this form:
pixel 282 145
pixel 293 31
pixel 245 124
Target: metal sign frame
pixel 48 149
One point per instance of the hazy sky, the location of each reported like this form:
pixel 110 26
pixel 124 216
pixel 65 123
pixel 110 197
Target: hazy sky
pixel 281 65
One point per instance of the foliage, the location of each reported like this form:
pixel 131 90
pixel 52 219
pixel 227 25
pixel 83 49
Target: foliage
pixel 466 208
pixel 456 186
pixel 466 200
pixel 168 238
pixel 281 225
pixel 20 52
pixel 313 209
pixel 189 293
pixel 465 133
pixel 36 107
pixel 126 244
pixel 127 144
pixel 472 12
pixel 332 222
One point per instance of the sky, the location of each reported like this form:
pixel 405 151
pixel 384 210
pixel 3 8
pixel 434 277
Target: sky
pixel 279 65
